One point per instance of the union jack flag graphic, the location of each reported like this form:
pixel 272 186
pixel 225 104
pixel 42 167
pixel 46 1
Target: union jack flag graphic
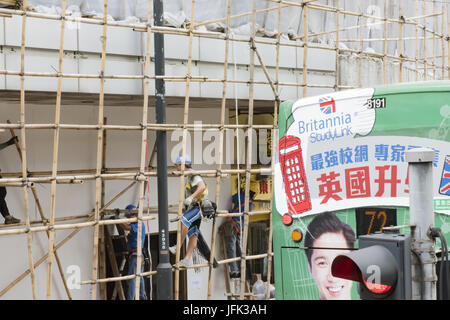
pixel 445 181
pixel 327 105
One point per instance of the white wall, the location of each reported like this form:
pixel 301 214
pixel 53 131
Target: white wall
pixel 78 151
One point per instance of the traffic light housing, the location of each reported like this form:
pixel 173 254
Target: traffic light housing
pixel 381 265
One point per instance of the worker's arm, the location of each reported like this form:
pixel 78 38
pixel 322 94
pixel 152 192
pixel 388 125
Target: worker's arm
pixel 200 188
pixel 125 226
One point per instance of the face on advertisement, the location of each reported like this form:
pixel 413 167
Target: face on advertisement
pixel 330 288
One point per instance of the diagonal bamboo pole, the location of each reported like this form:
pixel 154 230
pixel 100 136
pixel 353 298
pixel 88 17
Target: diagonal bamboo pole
pixel 51 237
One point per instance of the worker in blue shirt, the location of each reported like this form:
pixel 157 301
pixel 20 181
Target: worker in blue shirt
pixel 132 254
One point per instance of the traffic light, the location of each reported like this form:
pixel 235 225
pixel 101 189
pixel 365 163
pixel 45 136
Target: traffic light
pixel 381 265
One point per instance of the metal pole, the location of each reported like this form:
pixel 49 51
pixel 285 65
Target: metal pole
pixel 420 165
pixel 164 268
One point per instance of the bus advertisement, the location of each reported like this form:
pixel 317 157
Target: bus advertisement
pixel 340 172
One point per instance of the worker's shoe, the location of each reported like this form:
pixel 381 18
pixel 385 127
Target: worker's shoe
pixel 185 263
pixel 11 220
pixel 173 249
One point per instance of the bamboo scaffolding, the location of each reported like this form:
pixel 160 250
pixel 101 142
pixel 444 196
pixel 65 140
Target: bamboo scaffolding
pixel 41 213
pixel 25 179
pixel 62 242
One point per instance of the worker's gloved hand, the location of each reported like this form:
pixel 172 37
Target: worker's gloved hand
pixel 13 140
pixel 188 201
pixel 116 213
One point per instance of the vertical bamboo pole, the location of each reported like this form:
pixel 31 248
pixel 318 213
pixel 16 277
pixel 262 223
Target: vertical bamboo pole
pixel 442 43
pixel 55 155
pixel 305 50
pixel 183 152
pixel 143 154
pixel 338 25
pixel 434 39
pixel 98 180
pixel 386 33
pixel 24 153
pixel 400 41
pixel 448 38
pixel 221 138
pixel 417 41
pixel 273 136
pixel 361 46
pixel 425 67
pixel 249 150
pixel 102 253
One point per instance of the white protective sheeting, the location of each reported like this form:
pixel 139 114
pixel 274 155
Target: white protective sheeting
pixel 178 12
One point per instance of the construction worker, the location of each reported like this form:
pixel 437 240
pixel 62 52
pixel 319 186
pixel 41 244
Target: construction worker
pixel 9 219
pixel 132 254
pixel 195 192
pixel 232 232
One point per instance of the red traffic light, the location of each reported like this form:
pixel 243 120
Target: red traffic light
pixel 374 267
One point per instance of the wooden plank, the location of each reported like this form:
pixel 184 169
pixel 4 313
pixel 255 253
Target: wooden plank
pixel 112 260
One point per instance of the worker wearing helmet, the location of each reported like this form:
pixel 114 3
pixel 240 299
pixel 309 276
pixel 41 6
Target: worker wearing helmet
pixel 195 192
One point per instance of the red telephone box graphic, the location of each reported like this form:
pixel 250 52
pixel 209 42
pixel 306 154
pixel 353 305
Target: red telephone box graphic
pixel 294 177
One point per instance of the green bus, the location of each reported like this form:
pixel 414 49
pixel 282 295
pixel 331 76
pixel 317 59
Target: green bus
pixel 340 172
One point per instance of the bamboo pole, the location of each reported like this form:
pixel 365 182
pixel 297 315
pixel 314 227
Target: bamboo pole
pixel 61 243
pixel 337 72
pixel 400 42
pixel 51 237
pixel 305 51
pixel 103 231
pixel 249 153
pixel 274 134
pixel 361 48
pixel 24 154
pixel 142 183
pixel 221 143
pixel 417 41
pixel 385 49
pixel 183 158
pixel 100 150
pixel 448 38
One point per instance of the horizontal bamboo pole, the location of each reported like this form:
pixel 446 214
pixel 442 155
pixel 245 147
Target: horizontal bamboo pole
pixel 72 225
pixel 149 126
pixel 138 176
pixel 150 273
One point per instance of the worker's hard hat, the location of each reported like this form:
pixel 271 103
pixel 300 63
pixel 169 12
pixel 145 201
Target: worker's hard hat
pixel 130 207
pixel 187 160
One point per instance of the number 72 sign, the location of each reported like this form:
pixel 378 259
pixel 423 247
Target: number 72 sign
pixel 370 220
